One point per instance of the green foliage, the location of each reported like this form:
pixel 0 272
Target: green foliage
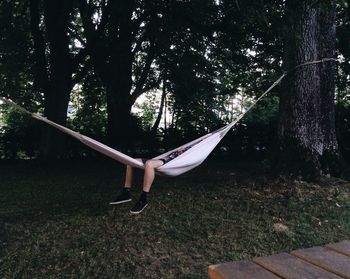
pixel 147 110
pixel 344 3
pixel 19 137
pixel 265 112
pixel 89 107
pixel 15 54
pixel 256 133
pixel 343 33
pixel 148 113
pixel 343 128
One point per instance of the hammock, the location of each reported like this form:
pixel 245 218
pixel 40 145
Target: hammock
pixel 198 149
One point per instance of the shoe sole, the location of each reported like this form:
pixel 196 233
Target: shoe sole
pixel 119 202
pixel 138 212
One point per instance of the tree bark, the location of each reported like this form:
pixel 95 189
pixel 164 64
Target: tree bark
pixel 119 87
pixel 54 77
pixel 56 16
pixel 41 79
pixel 307 127
pixel 330 160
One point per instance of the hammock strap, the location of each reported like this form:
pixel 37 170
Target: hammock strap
pixel 257 100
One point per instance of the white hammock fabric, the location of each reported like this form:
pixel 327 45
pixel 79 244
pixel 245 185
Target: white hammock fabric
pixel 199 148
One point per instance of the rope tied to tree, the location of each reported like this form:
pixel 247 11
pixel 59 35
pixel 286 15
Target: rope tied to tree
pixel 277 82
pixel 328 59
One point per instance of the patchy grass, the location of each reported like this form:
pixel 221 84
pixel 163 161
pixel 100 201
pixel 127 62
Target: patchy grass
pixel 55 221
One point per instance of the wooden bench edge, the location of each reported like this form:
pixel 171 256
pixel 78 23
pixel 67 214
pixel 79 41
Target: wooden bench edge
pixel 213 273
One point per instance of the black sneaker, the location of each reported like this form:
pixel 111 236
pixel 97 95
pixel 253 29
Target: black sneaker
pixel 139 206
pixel 122 198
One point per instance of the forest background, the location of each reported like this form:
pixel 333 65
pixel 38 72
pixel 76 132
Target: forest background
pixel 195 64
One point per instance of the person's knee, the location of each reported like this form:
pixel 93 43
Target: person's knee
pixel 149 164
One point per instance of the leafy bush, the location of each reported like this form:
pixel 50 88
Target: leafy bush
pixel 19 136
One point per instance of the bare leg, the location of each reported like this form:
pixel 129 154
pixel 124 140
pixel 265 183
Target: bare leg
pixel 125 196
pixel 129 175
pixel 148 178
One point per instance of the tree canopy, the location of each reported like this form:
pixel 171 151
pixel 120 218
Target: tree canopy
pixel 91 62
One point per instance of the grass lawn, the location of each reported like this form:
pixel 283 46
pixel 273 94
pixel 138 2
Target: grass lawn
pixel 55 221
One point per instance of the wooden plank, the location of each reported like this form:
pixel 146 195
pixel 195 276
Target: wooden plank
pixel 239 270
pixel 290 267
pixel 327 259
pixel 342 247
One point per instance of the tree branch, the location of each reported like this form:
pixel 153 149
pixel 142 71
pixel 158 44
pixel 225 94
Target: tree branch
pixel 146 69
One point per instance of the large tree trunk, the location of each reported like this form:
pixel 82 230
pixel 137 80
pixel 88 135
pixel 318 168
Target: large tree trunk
pixel 56 16
pixel 110 47
pixel 54 79
pixel 41 79
pixel 118 119
pixel 330 160
pixel 306 127
pixel 118 92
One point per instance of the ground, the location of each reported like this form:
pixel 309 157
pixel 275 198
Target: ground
pixel 55 221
